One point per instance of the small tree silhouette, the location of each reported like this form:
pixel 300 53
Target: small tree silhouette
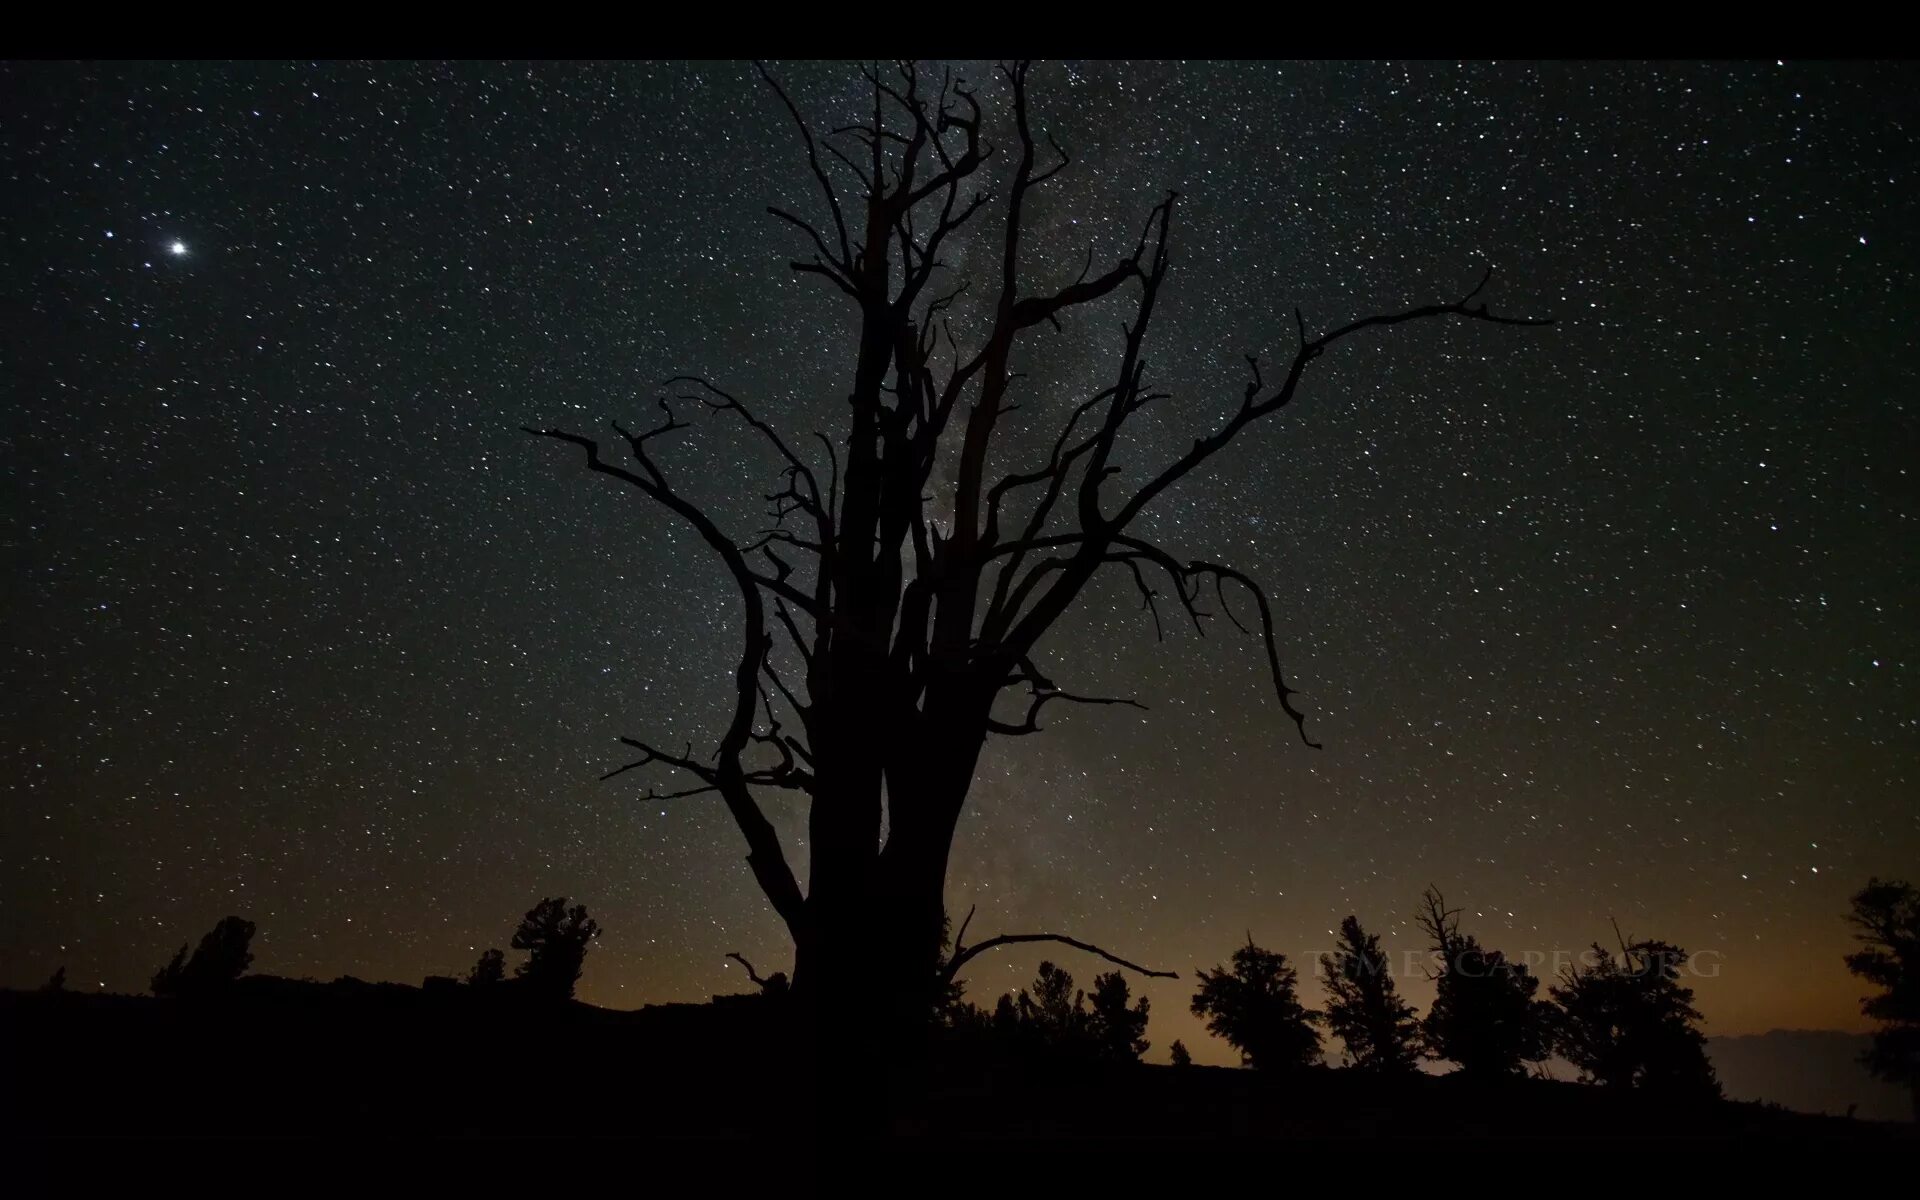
pixel 1051 1011
pixel 1118 1032
pixel 1628 1021
pixel 56 984
pixel 1364 1009
pixel 555 938
pixel 220 959
pixel 1006 1017
pixel 1178 1052
pixel 1886 916
pixel 1054 1017
pixel 1484 1016
pixel 1255 1007
pixel 490 969
pixel 950 1004
pixel 953 954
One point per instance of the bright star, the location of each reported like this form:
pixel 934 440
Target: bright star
pixel 177 249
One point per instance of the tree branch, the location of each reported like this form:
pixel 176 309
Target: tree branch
pixel 729 777
pixel 819 172
pixel 963 956
pixel 1252 407
pixel 753 976
pixel 1041 690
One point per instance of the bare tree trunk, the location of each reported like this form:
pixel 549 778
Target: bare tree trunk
pixel 874 916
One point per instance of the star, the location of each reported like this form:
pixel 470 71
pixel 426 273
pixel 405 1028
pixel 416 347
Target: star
pixel 177 248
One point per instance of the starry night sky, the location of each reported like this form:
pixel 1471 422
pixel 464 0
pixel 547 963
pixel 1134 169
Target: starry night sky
pixel 1614 619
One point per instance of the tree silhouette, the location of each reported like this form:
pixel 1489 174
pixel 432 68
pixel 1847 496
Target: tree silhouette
pixel 1886 920
pixel 1118 1032
pixel 1052 1016
pixel 1364 1009
pixel 221 958
pixel 1006 1016
pixel 1629 1022
pixel 555 938
pixel 1051 1011
pixel 1255 1007
pixel 950 1003
pixel 58 983
pixel 1178 1053
pixel 887 617
pixel 1484 1016
pixel 166 981
pixel 1047 1015
pixel 490 969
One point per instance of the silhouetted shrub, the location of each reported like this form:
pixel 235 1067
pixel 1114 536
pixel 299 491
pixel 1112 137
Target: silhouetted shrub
pixel 490 969
pixel 1484 1016
pixel 58 983
pixel 1364 1009
pixel 166 981
pixel 1254 1006
pixel 1178 1051
pixel 556 939
pixel 221 958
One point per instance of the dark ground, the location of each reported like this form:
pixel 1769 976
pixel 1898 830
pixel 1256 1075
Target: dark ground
pixel 291 1059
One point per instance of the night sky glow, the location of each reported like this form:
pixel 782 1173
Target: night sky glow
pixel 1613 619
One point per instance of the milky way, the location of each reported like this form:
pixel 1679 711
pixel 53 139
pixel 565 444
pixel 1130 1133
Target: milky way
pixel 1614 619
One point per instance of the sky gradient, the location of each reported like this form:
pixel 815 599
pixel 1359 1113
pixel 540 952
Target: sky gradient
pixel 1615 619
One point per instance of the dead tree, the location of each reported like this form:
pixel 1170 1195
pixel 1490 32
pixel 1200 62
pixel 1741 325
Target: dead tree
pixel 903 617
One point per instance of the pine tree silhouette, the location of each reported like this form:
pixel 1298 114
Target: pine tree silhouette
pixel 1484 1016
pixel 1255 1007
pixel 556 939
pixel 1364 1009
pixel 1118 1032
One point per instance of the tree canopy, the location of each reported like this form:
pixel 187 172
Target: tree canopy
pixel 1628 1021
pixel 556 939
pixel 1253 1004
pixel 1484 1015
pixel 1886 922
